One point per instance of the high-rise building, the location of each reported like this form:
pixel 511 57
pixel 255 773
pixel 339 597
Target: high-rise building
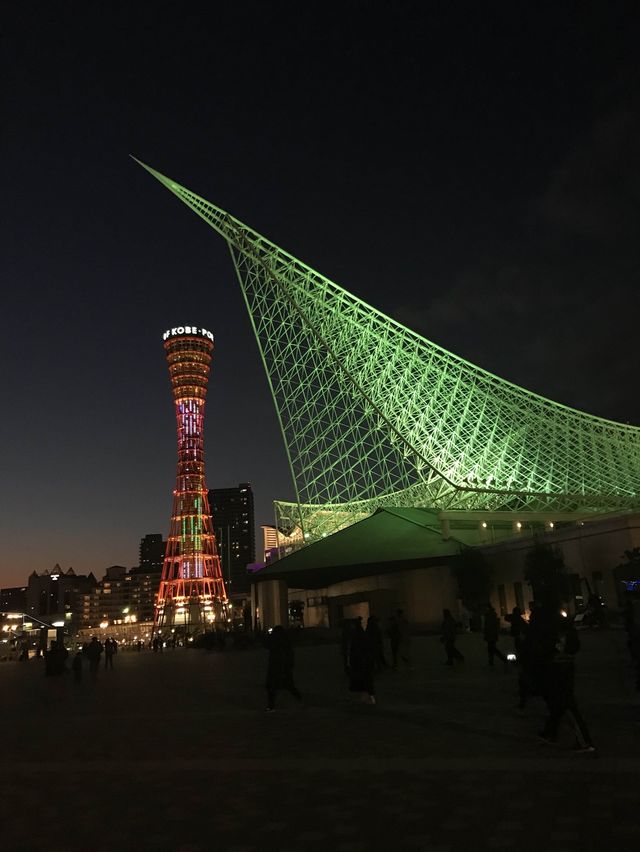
pixel 152 551
pixel 233 525
pixel 192 596
pixel 13 599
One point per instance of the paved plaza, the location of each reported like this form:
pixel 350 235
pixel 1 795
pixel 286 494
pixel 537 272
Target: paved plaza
pixel 175 751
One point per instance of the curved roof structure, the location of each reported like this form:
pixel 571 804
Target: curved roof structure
pixel 373 414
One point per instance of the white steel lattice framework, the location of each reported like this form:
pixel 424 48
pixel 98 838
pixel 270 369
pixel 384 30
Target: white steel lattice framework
pixel 373 414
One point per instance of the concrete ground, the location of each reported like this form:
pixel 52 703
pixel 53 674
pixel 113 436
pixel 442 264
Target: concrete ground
pixel 175 751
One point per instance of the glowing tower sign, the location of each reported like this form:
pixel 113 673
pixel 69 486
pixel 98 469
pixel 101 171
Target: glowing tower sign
pixel 191 596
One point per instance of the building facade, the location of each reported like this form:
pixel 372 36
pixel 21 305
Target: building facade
pixel 152 551
pixel 335 581
pixel 13 599
pixel 233 520
pixel 58 596
pixel 122 597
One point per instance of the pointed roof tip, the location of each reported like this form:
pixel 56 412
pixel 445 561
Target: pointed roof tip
pixel 189 198
pixel 162 178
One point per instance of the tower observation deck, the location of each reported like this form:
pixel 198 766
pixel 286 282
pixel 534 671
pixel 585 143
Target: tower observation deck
pixel 373 414
pixel 191 596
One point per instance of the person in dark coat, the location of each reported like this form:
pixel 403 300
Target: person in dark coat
pixel 537 650
pixel 448 633
pixel 109 651
pixel 517 630
pixel 361 664
pixel 279 667
pixel 557 689
pixel 54 659
pixel 345 643
pixel 93 652
pixel 399 634
pixel 491 633
pixel 393 632
pixel 377 642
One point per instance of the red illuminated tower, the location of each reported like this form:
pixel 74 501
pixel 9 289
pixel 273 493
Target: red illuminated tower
pixel 191 597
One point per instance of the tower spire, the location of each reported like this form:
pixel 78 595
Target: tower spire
pixel 192 596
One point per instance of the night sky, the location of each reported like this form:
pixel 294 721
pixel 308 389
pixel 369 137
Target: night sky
pixel 472 170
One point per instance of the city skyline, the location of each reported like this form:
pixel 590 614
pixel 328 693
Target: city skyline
pixel 471 178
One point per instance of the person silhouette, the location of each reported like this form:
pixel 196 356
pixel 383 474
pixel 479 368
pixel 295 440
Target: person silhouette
pixel 93 652
pixel 361 663
pixel 517 630
pixel 377 642
pixel 448 633
pixel 279 667
pixel 491 632
pixel 557 688
pixel 109 651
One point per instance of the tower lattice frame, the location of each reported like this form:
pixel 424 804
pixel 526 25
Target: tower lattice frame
pixel 373 414
pixel 191 596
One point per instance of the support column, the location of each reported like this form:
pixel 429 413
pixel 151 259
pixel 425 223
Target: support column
pixel 273 603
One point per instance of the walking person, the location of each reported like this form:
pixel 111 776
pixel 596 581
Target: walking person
pixel 109 651
pixel 361 664
pixel 345 643
pixel 377 642
pixel 517 630
pixel 539 648
pixel 54 659
pixel 491 632
pixel 393 632
pixel 557 687
pixel 93 653
pixel 279 667
pixel 448 633
pixel 399 634
pixel 404 651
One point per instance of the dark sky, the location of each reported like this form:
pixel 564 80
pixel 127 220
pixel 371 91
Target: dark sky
pixel 470 169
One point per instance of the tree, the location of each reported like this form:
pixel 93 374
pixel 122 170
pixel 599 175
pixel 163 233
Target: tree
pixel 473 576
pixel 546 573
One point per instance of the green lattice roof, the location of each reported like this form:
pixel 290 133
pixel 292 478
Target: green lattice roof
pixel 373 414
